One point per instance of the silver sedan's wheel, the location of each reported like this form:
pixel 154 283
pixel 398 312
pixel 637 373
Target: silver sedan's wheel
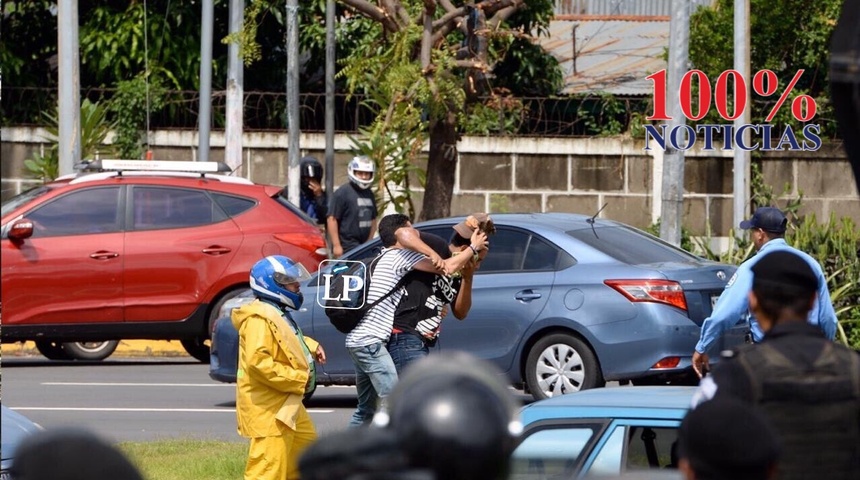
pixel 560 364
pixel 90 350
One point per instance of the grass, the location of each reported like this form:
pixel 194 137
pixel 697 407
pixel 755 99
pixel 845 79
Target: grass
pixel 188 459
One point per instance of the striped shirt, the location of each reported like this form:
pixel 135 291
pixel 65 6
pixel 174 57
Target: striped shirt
pixel 377 323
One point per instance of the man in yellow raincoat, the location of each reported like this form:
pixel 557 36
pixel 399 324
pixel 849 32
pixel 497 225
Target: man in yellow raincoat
pixel 276 368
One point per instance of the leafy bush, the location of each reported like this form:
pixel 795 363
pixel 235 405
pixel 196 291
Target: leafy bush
pixel 94 129
pixel 835 245
pixel 134 100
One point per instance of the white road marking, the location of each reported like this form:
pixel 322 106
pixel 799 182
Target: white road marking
pixel 184 410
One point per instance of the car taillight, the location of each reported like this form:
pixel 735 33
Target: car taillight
pixel 305 241
pixel 668 362
pixel 660 291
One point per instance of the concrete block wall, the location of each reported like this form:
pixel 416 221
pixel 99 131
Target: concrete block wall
pixel 499 174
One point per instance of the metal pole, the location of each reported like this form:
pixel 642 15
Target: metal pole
pixel 204 119
pixel 741 175
pixel 673 163
pixel 235 71
pixel 69 104
pixel 330 56
pixel 293 100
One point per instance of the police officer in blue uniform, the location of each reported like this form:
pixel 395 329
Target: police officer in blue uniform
pixel 767 229
pixel 807 385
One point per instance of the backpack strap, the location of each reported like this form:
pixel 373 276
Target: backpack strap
pixel 396 286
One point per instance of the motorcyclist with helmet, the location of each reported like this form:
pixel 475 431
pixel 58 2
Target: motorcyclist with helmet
pixel 352 218
pixel 276 369
pixel 313 199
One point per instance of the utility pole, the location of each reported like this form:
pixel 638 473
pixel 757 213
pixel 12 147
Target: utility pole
pixel 741 174
pixel 235 92
pixel 293 100
pixel 673 160
pixel 204 118
pixel 330 53
pixel 69 104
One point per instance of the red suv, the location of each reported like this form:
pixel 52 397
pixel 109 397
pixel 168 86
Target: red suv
pixel 95 258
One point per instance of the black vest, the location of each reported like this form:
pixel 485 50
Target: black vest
pixel 815 409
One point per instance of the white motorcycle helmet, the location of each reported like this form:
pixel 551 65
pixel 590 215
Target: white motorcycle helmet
pixel 361 163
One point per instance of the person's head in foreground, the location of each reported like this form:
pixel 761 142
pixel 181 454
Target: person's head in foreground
pixel 70 454
pixel 726 439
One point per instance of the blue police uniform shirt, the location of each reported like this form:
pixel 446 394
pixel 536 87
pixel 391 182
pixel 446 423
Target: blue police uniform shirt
pixel 733 304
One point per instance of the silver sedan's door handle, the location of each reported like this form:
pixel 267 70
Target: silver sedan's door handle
pixel 527 295
pixel 103 255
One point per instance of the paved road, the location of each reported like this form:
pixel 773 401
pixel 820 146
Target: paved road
pixel 143 399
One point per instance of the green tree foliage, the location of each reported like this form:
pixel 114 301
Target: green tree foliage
pixel 28 51
pixel 116 39
pixel 432 70
pixel 427 69
pixel 133 100
pixel 785 36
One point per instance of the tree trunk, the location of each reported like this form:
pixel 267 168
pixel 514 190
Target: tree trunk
pixel 441 168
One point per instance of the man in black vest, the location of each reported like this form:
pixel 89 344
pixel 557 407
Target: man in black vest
pixel 807 385
pixel 419 315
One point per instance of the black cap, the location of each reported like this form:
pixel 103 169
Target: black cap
pixel 769 219
pixel 726 438
pixel 786 271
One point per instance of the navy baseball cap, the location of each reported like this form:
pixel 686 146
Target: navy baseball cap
pixel 769 219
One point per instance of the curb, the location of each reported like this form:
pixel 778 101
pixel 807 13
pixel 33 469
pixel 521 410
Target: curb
pixel 126 348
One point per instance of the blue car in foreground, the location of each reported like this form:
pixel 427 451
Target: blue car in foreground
pixel 15 428
pixel 562 303
pixel 604 432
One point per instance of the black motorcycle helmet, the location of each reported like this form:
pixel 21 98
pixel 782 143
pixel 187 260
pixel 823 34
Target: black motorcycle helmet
pixel 454 415
pixel 311 167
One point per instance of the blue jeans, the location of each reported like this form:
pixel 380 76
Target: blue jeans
pixel 406 348
pixel 375 377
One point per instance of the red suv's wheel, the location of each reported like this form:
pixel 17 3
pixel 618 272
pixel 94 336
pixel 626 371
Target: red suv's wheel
pixel 197 348
pixel 90 350
pixel 52 350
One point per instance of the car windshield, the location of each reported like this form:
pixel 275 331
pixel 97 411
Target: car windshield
pixel 12 203
pixel 631 246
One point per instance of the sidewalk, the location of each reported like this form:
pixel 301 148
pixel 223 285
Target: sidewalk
pixel 126 348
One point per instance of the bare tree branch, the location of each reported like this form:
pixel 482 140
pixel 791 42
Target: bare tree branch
pixel 501 15
pixel 427 38
pixel 447 5
pixel 373 12
pixel 490 7
pixel 477 64
pixel 396 8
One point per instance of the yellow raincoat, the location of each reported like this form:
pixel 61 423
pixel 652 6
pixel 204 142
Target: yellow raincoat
pixel 270 384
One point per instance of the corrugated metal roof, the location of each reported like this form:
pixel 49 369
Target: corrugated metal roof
pixel 619 7
pixel 612 56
